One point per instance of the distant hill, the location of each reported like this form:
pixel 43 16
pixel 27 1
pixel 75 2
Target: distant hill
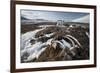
pixel 24 18
pixel 26 21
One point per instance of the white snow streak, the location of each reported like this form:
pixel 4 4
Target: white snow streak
pixel 25 38
pixel 87 34
pixel 49 35
pixel 66 44
pixel 34 51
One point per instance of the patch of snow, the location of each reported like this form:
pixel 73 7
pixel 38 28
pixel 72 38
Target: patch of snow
pixel 39 53
pixel 65 43
pixel 31 57
pixel 49 35
pixel 34 51
pixel 27 44
pixel 25 38
pixel 34 47
pixel 46 25
pixel 31 49
pixel 87 34
pixel 71 26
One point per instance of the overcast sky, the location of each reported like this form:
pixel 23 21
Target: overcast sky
pixel 52 15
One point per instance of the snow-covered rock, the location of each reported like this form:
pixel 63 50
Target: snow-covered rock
pixel 66 44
